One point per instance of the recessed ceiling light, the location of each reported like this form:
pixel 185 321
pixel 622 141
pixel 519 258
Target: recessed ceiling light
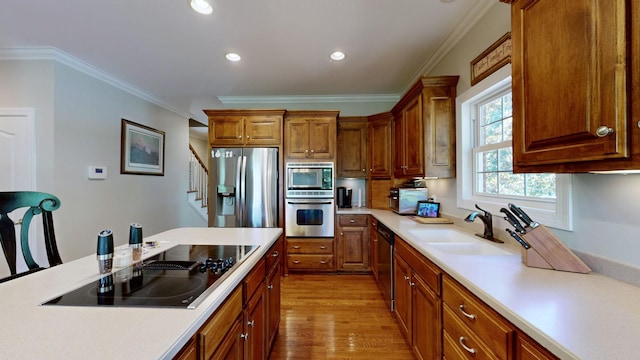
pixel 201 6
pixel 232 57
pixel 337 55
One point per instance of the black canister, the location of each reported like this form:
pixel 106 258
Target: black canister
pixel 344 197
pixel 105 251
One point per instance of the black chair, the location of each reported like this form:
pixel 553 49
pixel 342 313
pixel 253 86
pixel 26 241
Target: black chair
pixel 36 203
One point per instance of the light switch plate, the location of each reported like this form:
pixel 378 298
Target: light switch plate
pixel 97 172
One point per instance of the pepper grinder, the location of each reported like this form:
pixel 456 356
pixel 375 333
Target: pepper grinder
pixel 135 240
pixel 105 251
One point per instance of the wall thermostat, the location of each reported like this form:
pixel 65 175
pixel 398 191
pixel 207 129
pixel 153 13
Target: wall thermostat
pixel 97 172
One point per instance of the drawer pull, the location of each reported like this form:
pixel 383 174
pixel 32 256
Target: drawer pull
pixel 323 261
pixel 352 221
pixel 296 261
pixel 296 247
pixel 470 316
pixel 276 254
pixel 323 247
pixel 461 341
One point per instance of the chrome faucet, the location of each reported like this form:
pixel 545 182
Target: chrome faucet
pixel 488 223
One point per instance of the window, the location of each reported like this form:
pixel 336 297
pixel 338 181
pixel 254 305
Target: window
pixel 485 171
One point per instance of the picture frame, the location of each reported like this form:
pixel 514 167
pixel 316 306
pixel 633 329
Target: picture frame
pixel 141 150
pixel 493 58
pixel 428 209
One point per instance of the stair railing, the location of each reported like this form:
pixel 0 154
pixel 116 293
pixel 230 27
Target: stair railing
pixel 198 177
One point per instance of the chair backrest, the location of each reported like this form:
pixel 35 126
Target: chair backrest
pixel 35 203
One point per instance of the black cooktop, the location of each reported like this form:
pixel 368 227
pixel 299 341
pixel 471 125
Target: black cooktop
pixel 179 277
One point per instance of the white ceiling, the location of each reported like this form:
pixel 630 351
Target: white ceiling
pixel 166 50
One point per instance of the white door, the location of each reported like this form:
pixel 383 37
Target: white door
pixel 17 166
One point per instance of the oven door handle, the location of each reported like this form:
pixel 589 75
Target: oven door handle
pixel 309 203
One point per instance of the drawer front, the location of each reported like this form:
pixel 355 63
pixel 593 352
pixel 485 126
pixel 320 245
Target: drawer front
pixel 477 316
pixel 253 280
pixel 217 326
pixel 463 342
pixel 312 246
pixel 353 220
pixel 310 262
pixel 275 254
pixel 429 272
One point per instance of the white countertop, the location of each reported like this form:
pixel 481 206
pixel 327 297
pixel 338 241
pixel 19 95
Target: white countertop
pixel 32 331
pixel 575 316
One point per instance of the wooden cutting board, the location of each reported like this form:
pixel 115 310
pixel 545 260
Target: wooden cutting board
pixel 438 220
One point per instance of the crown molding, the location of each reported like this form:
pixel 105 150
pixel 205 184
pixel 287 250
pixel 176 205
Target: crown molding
pixel 480 8
pixel 54 54
pixel 305 99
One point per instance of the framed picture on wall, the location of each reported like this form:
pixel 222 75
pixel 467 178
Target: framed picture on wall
pixel 142 149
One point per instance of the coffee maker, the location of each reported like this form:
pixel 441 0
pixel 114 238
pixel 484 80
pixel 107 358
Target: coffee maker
pixel 344 197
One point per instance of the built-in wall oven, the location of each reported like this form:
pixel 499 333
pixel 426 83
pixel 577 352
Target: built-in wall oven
pixel 385 263
pixel 309 199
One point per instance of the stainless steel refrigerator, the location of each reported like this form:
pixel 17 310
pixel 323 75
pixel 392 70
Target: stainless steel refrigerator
pixel 243 187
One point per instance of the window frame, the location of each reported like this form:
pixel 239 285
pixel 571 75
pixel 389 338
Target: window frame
pixel 557 214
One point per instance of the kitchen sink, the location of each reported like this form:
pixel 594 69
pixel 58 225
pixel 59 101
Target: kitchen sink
pixel 451 241
pixel 467 248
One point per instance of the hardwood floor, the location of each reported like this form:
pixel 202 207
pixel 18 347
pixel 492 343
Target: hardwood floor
pixel 336 317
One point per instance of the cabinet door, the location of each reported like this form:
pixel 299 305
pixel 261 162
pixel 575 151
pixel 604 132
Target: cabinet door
pixel 409 149
pixel 527 349
pixel 352 148
pixel 380 146
pixel 569 90
pixel 398 145
pixel 263 130
pixel 440 133
pixel 427 331
pixel 296 138
pixel 402 294
pixel 273 306
pixel 255 326
pixel 226 130
pixel 353 249
pixel 232 345
pixel 322 138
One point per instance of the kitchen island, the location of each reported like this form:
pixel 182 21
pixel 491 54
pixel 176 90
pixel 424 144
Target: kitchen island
pixel 33 331
pixel 573 315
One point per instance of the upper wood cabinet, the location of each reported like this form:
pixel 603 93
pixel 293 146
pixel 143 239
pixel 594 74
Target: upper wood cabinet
pixel 572 94
pixel 352 147
pixel 424 129
pixel 380 132
pixel 245 127
pixel 310 135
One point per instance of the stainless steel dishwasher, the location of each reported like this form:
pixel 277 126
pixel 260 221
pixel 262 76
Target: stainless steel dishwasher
pixel 385 263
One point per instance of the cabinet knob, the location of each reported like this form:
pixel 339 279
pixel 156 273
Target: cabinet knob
pixel 270 286
pixel 406 277
pixel 364 170
pixel 603 131
pixel 244 336
pixel 247 136
pixel 412 284
pixel 251 323
pixel 341 233
pixel 276 254
pixel 239 136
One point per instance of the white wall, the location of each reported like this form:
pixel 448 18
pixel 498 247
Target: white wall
pixel 78 123
pixel 604 206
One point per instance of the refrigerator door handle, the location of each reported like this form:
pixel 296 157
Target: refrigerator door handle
pixel 243 190
pixel 238 206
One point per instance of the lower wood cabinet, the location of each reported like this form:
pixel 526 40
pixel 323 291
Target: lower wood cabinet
pixel 352 243
pixel 441 319
pixel 245 326
pixel 477 329
pixel 417 300
pixel 310 254
pixel 373 246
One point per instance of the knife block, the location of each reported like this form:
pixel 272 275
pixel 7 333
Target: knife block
pixel 548 252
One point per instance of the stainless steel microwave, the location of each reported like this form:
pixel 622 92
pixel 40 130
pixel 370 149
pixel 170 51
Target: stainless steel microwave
pixel 405 200
pixel 310 180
